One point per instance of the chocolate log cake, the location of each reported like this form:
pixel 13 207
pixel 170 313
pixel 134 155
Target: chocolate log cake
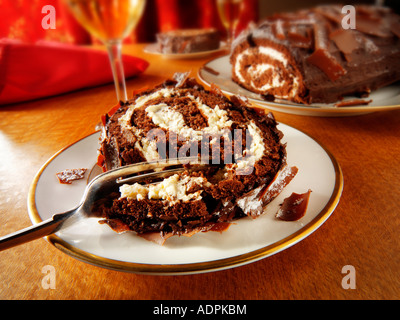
pixel 308 57
pixel 179 118
pixel 188 40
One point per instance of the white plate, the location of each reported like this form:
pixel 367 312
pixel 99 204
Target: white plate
pixel 387 98
pixel 153 49
pixel 245 241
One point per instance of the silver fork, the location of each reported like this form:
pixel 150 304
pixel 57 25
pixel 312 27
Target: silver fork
pixel 100 187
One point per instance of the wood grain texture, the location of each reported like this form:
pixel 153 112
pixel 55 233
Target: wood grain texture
pixel 362 231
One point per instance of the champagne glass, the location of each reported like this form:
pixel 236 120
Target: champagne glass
pixel 110 21
pixel 229 12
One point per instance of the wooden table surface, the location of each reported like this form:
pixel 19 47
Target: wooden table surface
pixel 363 231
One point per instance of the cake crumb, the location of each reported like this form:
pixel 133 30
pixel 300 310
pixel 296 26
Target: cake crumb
pixel 69 175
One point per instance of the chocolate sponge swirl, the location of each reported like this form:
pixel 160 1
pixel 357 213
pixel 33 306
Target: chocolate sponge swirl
pixel 180 118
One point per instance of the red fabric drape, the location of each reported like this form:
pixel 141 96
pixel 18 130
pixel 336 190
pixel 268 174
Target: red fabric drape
pixel 22 19
pixel 31 71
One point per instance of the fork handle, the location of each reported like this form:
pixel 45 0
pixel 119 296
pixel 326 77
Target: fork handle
pixel 34 232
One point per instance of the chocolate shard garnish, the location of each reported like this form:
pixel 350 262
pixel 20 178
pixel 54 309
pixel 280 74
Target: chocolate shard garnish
pixel 294 207
pixel 279 30
pixel 345 40
pixel 322 58
pixel 254 202
pixel 300 36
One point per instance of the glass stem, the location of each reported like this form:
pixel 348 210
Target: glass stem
pixel 230 36
pixel 114 53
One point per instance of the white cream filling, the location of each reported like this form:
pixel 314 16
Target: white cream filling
pixel 139 102
pixel 171 189
pixel 166 117
pixel 255 71
pixel 256 150
pixel 258 70
pixel 274 54
pixel 163 116
pixel 148 148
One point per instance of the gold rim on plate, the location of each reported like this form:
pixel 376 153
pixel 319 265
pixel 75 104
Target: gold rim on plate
pixel 190 268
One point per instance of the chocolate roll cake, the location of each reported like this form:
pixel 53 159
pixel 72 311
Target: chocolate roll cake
pixel 308 57
pixel 179 118
pixel 188 40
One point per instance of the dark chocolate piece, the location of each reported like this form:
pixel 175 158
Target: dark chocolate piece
pixel 294 207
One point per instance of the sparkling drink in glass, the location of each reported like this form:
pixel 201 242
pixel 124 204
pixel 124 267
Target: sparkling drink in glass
pixel 229 12
pixel 110 21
